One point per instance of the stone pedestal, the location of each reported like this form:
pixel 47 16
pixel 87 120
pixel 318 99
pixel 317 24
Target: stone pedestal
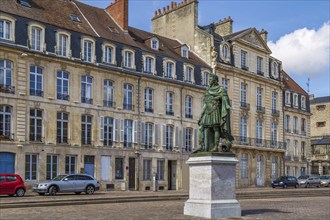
pixel 212 188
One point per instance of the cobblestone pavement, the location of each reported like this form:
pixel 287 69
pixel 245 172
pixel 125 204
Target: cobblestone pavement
pixel 314 208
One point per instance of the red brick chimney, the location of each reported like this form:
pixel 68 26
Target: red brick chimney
pixel 119 11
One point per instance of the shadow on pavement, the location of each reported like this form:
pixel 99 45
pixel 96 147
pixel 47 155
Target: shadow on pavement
pixel 261 211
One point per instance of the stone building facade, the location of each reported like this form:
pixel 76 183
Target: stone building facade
pixel 252 78
pixel 296 127
pixel 80 93
pixel 320 135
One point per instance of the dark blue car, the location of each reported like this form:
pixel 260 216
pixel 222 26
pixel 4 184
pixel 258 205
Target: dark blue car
pixel 285 181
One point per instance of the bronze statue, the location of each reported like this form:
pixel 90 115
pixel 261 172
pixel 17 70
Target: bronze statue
pixel 214 132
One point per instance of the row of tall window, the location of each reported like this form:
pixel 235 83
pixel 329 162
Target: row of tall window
pixel 274 69
pixel 36 42
pixel 295 103
pixel 244 165
pixel 259 132
pixel 295 148
pixel 52 167
pixel 110 130
pixel 295 126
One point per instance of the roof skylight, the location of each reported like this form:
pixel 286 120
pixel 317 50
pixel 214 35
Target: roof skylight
pixel 24 3
pixel 75 18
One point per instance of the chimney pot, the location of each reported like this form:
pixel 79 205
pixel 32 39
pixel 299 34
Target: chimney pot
pixel 185 1
pixel 164 9
pixel 179 4
pixel 155 14
pixel 159 12
pixel 175 5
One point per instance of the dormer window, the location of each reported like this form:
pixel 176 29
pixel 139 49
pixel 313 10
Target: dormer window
pixel 37 37
pixel 88 49
pixel 24 3
pixel 287 98
pixel 274 70
pixel 303 102
pixel 109 53
pixel 149 64
pixel 154 44
pixel 295 100
pixel 7 27
pixel 185 52
pixel 225 51
pixel 169 69
pixel 189 74
pixel 129 59
pixel 63 44
pixel 205 78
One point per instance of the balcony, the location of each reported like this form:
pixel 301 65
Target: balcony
pixel 296 158
pixel 303 133
pixel 107 143
pixel 275 113
pixel 288 157
pixel 129 107
pixel 169 147
pixel 260 109
pixel 189 116
pixel 7 89
pixel 63 97
pixel 168 76
pixel 36 137
pixel 6 137
pixel 303 158
pixel 243 67
pixel 109 104
pixel 170 112
pixel 288 130
pixel 128 144
pixel 34 92
pixel 62 140
pixel 149 110
pixel 147 146
pixel 260 73
pixel 86 100
pixel 245 106
pixel 295 131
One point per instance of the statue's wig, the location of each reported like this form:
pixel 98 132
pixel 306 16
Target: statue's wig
pixel 214 77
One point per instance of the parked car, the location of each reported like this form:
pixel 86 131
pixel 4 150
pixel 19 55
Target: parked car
pixel 309 180
pixel 12 184
pixel 76 183
pixel 285 181
pixel 325 180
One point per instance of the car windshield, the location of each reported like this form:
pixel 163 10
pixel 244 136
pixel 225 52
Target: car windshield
pixel 325 177
pixel 59 178
pixel 303 177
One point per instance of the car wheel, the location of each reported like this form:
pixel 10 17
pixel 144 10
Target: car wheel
pixel 52 191
pixel 20 192
pixel 90 190
pixel 273 187
pixel 41 194
pixel 77 193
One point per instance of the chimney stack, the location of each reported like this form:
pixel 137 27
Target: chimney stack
pixel 224 27
pixel 119 12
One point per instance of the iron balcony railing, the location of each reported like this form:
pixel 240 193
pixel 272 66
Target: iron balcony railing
pixel 128 107
pixel 303 158
pixel 107 143
pixel 35 92
pixel 7 89
pixel 296 158
pixel 288 157
pixel 62 140
pixel 257 142
pixel 295 131
pixel 63 96
pixel 260 109
pixel 36 137
pixel 275 112
pixel 260 73
pixel 150 110
pixel 303 133
pixel 128 144
pixel 245 106
pixel 288 130
pixel 87 100
pixel 170 112
pixel 109 104
pixel 189 116
pixel 245 67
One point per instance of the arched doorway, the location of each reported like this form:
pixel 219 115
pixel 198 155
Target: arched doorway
pixel 7 162
pixel 260 170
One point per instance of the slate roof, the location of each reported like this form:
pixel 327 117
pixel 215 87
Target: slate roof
pixel 318 100
pixel 290 84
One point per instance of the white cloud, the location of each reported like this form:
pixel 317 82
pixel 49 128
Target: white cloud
pixel 305 51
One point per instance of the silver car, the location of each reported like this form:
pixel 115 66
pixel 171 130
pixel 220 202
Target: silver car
pixel 308 181
pixel 325 180
pixel 76 183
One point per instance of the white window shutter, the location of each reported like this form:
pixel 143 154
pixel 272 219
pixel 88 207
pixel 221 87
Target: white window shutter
pixel 135 137
pixel 196 138
pixel 121 130
pixel 176 136
pixel 115 130
pixel 164 135
pixel 142 133
pixel 156 134
pixel 101 128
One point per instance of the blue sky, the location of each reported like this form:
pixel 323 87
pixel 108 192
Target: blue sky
pixel 298 30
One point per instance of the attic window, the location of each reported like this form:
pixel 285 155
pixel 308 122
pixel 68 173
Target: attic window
pixel 184 52
pixel 24 3
pixel 75 18
pixel 154 44
pixel 113 30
